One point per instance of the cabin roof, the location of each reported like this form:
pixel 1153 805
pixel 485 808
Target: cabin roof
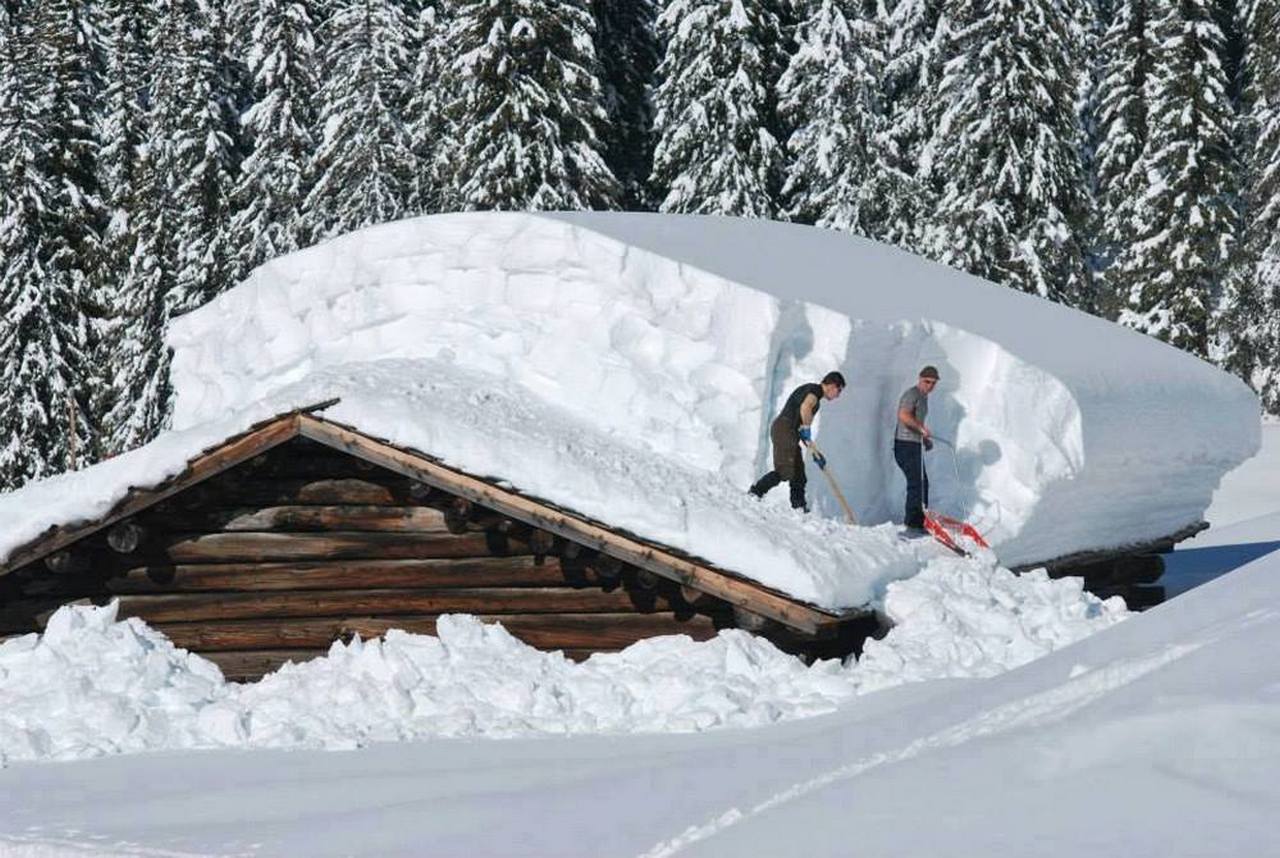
pixel 306 423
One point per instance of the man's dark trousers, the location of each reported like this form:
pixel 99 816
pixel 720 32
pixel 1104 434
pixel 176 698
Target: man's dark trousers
pixel 788 465
pixel 910 458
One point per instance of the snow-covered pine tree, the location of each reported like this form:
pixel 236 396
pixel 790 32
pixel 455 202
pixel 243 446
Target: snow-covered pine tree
pixel 69 43
pixel 1091 19
pixel 1005 157
pixel 627 44
pixel 425 107
pixel 916 32
pixel 191 147
pixel 270 217
pixel 527 114
pixel 184 178
pixel 364 163
pixel 1126 57
pixel 717 149
pixel 1248 324
pixel 1183 220
pixel 122 125
pixel 831 94
pixel 41 321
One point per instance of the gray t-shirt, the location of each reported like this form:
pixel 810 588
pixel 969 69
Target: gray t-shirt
pixel 918 404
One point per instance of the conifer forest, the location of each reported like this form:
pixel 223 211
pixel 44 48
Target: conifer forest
pixel 1119 156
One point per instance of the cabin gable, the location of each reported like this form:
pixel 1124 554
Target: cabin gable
pixel 302 532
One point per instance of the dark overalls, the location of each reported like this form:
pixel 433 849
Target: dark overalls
pixel 788 458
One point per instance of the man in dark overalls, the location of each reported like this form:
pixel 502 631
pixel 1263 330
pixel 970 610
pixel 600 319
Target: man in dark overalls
pixel 789 429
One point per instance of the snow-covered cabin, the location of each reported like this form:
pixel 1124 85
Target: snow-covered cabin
pixel 622 369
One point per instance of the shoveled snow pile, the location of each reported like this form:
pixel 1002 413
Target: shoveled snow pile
pixel 91 685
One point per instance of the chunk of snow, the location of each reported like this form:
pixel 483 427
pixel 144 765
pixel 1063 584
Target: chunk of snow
pixel 92 685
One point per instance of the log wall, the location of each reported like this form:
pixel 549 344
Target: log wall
pixel 276 558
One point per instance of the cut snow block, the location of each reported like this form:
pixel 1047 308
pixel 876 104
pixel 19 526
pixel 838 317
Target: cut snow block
pixel 1070 433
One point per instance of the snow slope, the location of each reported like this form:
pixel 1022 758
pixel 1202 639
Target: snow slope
pixel 682 334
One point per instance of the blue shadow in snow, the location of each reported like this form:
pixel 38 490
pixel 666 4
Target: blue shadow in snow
pixel 1192 567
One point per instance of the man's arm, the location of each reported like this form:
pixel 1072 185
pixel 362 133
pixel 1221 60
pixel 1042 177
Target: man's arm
pixel 907 417
pixel 807 409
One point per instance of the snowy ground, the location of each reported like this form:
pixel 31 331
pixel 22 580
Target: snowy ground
pixel 1156 735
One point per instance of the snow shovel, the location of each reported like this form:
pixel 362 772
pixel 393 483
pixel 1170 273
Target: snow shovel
pixel 835 489
pixel 945 528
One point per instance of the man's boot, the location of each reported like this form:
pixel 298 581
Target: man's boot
pixel 765 483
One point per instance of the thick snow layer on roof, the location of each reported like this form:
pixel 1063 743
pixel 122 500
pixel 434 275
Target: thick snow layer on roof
pixel 91 685
pixel 681 335
pixel 489 426
pixel 571 359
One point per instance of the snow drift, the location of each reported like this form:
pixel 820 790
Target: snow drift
pixel 682 334
pixel 92 685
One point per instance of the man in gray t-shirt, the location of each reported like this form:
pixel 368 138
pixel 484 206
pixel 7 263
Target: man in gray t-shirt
pixel 910 440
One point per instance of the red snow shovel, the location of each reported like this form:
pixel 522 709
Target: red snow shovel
pixel 945 528
pixel 835 489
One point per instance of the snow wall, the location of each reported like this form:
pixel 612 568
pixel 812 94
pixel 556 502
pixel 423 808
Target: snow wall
pixel 683 334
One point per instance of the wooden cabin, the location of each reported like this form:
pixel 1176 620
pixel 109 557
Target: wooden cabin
pixel 273 544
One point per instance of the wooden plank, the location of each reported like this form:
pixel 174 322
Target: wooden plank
pixel 267 547
pixel 264 437
pixel 757 598
pixel 193 607
pixel 546 631
pixel 522 571
pixel 345 491
pixel 399 519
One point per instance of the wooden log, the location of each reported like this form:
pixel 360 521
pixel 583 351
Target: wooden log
pixel 363 517
pixel 520 571
pixel 647 580
pixel 69 561
pixel 125 537
pixel 457 514
pixel 541 542
pixel 266 547
pixel 607 567
pixel 695 597
pixel 344 491
pixel 193 607
pixel 750 621
pixel 547 631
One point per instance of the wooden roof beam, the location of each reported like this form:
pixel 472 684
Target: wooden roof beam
pixel 736 591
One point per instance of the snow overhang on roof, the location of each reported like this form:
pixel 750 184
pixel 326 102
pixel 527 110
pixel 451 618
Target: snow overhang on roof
pixel 690 572
pixel 627 367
